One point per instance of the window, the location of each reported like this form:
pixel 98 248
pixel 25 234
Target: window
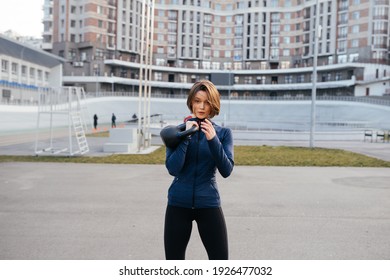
pixel 248 80
pixel 343 31
pixel 342 46
pixel 356 15
pixel 288 79
pixel 355 29
pixel 160 62
pixel 228 65
pixel 4 65
pixel 158 76
pixel 206 55
pixel 24 70
pixel 172 27
pixel 40 76
pixel 171 39
pixel 183 78
pixel 32 73
pixel 206 64
pixel 14 68
pixel 381 11
pixel 237 55
pixel 172 15
pixel 275 29
pixel 380 27
pixel 216 65
pixel 301 78
pixel 274 53
pixel 353 57
pixel 274 41
pixel 355 43
pixel 285 64
pixel 342 58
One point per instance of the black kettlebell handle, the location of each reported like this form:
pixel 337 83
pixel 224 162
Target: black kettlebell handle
pixel 173 135
pixel 184 133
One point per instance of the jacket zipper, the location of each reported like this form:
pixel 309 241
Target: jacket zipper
pixel 196 171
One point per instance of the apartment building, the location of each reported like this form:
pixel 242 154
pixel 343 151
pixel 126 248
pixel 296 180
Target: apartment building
pixel 247 47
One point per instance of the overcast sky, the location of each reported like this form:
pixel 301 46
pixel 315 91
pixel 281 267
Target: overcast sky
pixel 22 16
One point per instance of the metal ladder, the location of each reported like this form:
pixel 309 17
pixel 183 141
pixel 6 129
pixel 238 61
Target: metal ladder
pixel 78 127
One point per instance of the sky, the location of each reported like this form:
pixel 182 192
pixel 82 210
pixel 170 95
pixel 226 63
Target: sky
pixel 22 16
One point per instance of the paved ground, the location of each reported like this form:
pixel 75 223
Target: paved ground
pixel 93 211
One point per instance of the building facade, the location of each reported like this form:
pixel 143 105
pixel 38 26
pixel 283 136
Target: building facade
pixel 25 71
pixel 247 47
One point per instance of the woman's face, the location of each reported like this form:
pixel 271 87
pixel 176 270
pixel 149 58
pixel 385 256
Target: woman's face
pixel 200 105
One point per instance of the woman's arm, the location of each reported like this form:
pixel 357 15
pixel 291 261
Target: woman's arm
pixel 223 152
pixel 175 158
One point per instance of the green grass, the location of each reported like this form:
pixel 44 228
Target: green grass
pixel 299 156
pixel 243 155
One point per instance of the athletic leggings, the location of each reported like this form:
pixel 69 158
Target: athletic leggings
pixel 211 226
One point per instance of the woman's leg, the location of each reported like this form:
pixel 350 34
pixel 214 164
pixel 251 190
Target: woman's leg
pixel 213 232
pixel 177 232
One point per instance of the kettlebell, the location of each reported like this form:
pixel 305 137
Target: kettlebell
pixel 172 135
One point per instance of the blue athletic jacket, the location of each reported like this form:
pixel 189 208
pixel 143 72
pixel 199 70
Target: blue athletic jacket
pixel 194 163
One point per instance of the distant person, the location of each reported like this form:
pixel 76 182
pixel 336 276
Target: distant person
pixel 95 121
pixel 113 119
pixel 134 116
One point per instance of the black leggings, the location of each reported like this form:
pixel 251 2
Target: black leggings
pixel 212 231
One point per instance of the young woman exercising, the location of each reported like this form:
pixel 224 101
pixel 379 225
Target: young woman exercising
pixel 193 194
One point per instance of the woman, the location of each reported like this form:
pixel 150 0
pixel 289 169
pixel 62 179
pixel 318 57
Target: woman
pixel 193 194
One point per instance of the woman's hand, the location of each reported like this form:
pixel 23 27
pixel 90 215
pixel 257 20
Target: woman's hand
pixel 208 129
pixel 190 124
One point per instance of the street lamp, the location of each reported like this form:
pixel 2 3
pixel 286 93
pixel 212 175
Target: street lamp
pixel 317 34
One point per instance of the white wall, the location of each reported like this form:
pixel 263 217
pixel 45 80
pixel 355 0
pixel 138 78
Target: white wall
pixel 238 114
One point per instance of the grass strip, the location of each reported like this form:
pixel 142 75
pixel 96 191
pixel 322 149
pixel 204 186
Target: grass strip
pixel 243 155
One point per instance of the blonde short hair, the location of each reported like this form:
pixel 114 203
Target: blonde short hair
pixel 213 96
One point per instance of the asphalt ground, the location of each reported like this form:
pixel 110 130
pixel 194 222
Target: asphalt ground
pixel 112 212
pixel 106 211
